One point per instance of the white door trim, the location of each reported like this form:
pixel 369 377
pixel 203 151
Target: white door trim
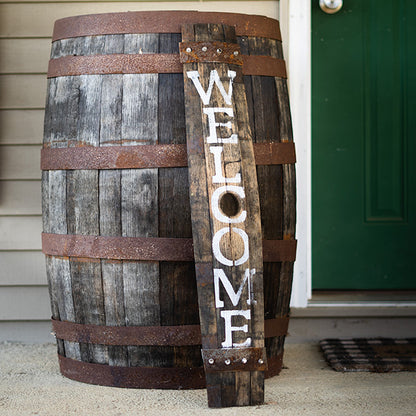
pixel 295 19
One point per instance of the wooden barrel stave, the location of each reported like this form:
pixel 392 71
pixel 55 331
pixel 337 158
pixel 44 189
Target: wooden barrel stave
pixel 172 284
pixel 265 96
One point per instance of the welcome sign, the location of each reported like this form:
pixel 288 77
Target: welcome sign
pixel 225 216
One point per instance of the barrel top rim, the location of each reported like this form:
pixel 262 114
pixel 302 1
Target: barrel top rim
pixel 166 21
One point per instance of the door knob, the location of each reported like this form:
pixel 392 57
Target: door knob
pixel 330 6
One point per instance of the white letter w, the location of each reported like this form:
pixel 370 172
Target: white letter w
pixel 213 78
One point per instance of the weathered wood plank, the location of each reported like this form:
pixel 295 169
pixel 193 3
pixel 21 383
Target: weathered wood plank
pixel 61 116
pixel 110 199
pixel 83 217
pixel 54 196
pixel 178 295
pixel 139 197
pixel 289 193
pixel 61 287
pixel 254 383
pixel 58 272
pixel 88 303
pixel 269 103
pixel 228 175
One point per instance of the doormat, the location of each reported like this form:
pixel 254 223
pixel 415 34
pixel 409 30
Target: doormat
pixel 379 355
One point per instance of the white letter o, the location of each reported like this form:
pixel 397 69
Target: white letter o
pixel 217 251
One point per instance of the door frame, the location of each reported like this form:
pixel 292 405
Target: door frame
pixel 295 21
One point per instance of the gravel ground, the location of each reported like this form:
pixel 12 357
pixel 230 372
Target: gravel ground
pixel 30 384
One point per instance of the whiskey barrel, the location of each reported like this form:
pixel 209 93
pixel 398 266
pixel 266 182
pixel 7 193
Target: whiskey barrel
pixel 117 229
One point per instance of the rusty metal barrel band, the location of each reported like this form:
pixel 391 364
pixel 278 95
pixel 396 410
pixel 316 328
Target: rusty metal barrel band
pixel 264 65
pixel 180 335
pixel 145 377
pixel 118 248
pixel 114 157
pixel 145 248
pixel 161 22
pixel 151 64
pixel 114 64
pixel 148 156
pixel 127 335
pixel 133 377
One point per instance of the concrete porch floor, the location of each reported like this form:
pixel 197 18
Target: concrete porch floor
pixel 30 384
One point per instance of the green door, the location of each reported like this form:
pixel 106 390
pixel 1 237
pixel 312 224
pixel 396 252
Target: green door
pixel 363 145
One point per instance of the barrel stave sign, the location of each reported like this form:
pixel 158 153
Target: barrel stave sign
pixel 226 228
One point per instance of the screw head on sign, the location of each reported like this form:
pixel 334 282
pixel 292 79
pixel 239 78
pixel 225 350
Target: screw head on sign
pixel 261 361
pixel 188 50
pixel 211 361
pixel 244 360
pixel 235 53
pixel 219 51
pixel 227 361
pixel 204 49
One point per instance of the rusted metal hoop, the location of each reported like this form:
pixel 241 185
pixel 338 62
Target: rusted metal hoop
pixel 180 335
pixel 145 377
pixel 148 156
pixel 161 22
pixel 145 248
pixel 162 63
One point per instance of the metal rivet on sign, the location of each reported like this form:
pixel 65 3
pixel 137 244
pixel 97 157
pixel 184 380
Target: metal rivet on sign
pixel 235 53
pixel 188 50
pixel 204 49
pixel 227 362
pixel 211 361
pixel 244 360
pixel 261 361
pixel 219 50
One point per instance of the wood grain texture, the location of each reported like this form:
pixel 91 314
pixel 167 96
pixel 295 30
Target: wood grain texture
pixel 139 205
pixel 110 195
pixel 83 218
pixel 270 118
pixel 178 299
pixel 148 109
pixel 54 197
pixel 123 110
pixel 224 388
